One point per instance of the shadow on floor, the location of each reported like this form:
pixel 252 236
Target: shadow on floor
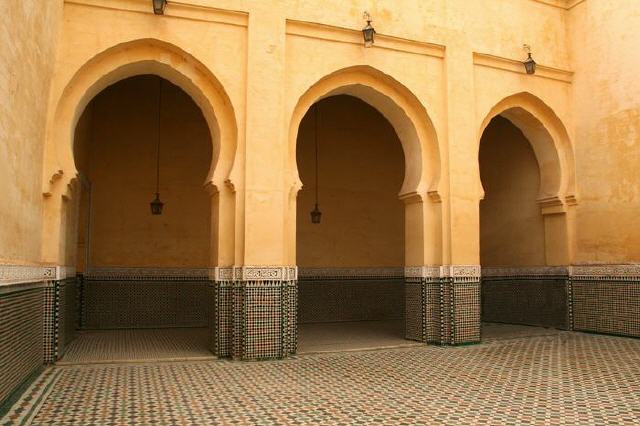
pixel 138 345
pixel 351 336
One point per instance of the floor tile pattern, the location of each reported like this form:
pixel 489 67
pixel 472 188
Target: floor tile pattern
pixel 138 345
pixel 564 378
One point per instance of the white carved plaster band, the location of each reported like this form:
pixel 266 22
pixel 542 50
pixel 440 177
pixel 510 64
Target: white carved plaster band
pixel 457 272
pixel 630 271
pixel 255 273
pixel 22 274
pixel 524 271
pixel 350 272
pixel 148 273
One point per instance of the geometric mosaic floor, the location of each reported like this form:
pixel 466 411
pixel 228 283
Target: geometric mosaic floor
pixel 169 344
pixel 564 378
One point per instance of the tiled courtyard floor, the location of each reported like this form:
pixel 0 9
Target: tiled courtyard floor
pixel 564 378
pixel 168 344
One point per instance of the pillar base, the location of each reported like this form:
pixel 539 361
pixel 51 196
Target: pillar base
pixel 255 312
pixel 443 304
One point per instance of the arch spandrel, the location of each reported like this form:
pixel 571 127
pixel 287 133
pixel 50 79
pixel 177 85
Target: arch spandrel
pixel 143 56
pixel 549 139
pixel 398 105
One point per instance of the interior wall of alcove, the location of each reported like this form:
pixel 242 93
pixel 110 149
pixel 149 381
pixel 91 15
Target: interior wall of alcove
pixel 361 170
pixel 511 225
pixel 115 149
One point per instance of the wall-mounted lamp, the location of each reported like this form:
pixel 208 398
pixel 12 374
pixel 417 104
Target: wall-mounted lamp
pixel 158 6
pixel 529 63
pixel 368 32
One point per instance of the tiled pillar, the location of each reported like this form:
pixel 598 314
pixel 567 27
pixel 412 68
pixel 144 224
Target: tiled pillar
pixel 443 304
pixel 256 312
pixel 54 311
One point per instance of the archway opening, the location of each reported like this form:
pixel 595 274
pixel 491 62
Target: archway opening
pixel 516 300
pixel 143 273
pixel 351 291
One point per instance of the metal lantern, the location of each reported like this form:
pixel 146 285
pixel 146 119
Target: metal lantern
pixel 156 205
pixel 158 6
pixel 316 215
pixel 530 65
pixel 368 32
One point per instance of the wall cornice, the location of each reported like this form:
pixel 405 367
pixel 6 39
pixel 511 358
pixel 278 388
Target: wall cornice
pixel 512 65
pixel 174 9
pixel 354 36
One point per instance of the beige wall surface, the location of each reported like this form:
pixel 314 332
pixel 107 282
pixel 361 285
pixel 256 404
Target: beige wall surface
pixel 121 168
pixel 604 44
pixel 511 225
pixel 438 66
pixel 360 171
pixel 28 41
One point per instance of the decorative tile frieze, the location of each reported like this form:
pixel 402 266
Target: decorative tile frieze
pixel 630 272
pixel 459 273
pixel 350 273
pixel 223 273
pixel 19 274
pixel 148 274
pixel 525 271
pixel 267 273
pixel 11 275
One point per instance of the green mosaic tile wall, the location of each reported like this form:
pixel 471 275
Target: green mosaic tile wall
pixel 21 337
pixel 527 301
pixel 604 306
pixel 145 304
pixel 350 300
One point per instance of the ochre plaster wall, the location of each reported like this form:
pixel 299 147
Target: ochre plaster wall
pixel 28 41
pixel 604 40
pixel 511 225
pixel 361 168
pixel 121 168
pixel 260 53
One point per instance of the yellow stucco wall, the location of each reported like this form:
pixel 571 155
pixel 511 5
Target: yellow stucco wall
pixel 439 69
pixel 604 40
pixel 120 165
pixel 28 42
pixel 360 171
pixel 511 225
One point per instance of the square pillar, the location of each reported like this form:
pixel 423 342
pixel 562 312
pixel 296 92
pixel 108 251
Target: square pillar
pixel 443 304
pixel 255 315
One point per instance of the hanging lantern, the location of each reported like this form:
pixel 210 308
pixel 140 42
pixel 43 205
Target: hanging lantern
pixel 158 6
pixel 368 32
pixel 156 204
pixel 316 214
pixel 529 63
